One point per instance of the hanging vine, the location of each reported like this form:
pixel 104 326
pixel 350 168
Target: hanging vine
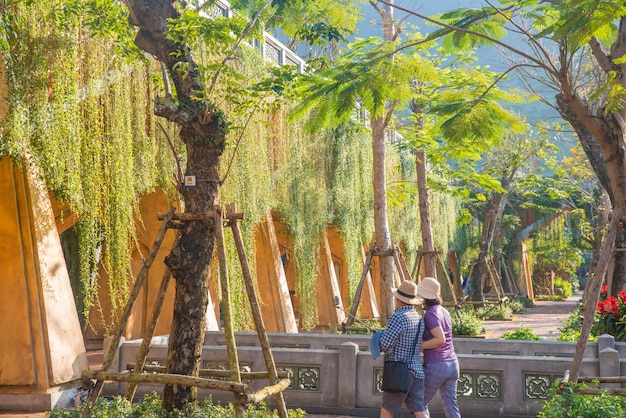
pixel 80 106
pixel 82 113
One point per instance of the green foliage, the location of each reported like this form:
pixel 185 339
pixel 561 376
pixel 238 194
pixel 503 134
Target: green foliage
pixel 466 322
pixel 471 21
pixel 565 285
pixel 78 111
pixel 524 301
pixel 81 101
pixel 555 251
pixel 365 76
pixel 570 331
pixel 150 406
pixel 517 306
pixel 521 333
pixel 549 297
pixel 495 312
pixel 570 404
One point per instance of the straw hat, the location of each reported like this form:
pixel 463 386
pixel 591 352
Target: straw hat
pixel 407 293
pixel 429 288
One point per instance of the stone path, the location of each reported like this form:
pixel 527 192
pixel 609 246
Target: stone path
pixel 544 319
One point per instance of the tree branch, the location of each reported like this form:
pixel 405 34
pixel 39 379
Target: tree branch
pixel 601 55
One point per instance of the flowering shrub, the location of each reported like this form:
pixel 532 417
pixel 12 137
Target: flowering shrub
pixel 611 315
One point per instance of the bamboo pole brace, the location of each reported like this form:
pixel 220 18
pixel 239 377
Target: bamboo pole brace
pixel 266 392
pixel 144 349
pixel 359 288
pixel 592 294
pixel 200 216
pixel 229 332
pixel 141 277
pixel 256 312
pixel 609 391
pixel 283 374
pixel 396 261
pixel 404 265
pixel 606 379
pixel 165 378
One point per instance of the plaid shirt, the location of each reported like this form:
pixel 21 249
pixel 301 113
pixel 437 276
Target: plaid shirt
pixel 398 339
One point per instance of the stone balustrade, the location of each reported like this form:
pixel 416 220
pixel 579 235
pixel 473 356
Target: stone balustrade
pixel 336 373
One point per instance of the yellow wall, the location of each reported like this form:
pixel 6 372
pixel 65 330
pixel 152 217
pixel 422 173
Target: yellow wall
pixel 41 345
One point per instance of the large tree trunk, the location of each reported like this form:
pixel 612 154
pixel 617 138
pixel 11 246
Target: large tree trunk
pixel 200 131
pixel 609 132
pixel 379 178
pixel 428 245
pixel 491 223
pixel 381 223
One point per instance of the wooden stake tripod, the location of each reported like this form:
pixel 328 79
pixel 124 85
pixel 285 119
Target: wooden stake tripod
pixel 496 281
pixel 418 262
pixel 277 385
pixel 401 269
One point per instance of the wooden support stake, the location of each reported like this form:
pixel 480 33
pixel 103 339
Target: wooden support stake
pixel 215 372
pixel 256 313
pixel 233 359
pixel 449 285
pixel 396 260
pixel 141 277
pixel 404 265
pixel 605 379
pixel 359 288
pixel 147 338
pixel 266 392
pixel 592 293
pixel 609 391
pixel 166 378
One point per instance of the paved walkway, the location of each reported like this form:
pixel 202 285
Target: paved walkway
pixel 544 319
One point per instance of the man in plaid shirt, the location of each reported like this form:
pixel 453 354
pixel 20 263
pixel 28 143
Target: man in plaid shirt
pixel 400 341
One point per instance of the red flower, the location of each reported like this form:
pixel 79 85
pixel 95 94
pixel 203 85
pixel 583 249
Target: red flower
pixel 602 308
pixel 622 295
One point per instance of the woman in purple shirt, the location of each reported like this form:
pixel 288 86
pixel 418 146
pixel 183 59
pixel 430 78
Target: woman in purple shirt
pixel 441 366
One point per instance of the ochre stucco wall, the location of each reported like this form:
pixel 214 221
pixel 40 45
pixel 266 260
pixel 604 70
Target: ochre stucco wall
pixel 41 344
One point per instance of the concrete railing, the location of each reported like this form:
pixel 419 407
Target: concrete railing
pixel 337 374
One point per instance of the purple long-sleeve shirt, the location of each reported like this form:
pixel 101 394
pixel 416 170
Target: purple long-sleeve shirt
pixel 437 316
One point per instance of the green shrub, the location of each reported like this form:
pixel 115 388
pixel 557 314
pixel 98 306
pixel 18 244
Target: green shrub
pixel 495 312
pixel 548 297
pixel 564 285
pixel 570 332
pixel 570 404
pixel 521 333
pixel 525 301
pixel 466 323
pixel 516 306
pixel 575 282
pixel 150 406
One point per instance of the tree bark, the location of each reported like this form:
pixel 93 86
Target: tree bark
pixel 609 133
pixel 201 131
pixel 381 223
pixel 491 224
